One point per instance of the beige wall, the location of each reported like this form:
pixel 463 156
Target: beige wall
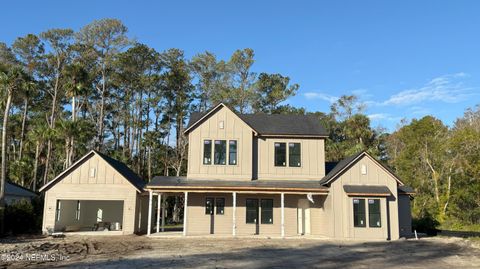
pixel 198 223
pixel 312 159
pixel 340 206
pixel 106 184
pixel 234 129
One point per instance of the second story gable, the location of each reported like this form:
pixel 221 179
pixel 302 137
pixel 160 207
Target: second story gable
pixel 227 145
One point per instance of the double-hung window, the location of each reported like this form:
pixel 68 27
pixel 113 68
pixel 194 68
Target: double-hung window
pixel 294 153
pixel 220 206
pixel 359 219
pixel 374 219
pixel 252 211
pixel 207 152
pixel 280 154
pixel 232 152
pixel 220 152
pixel 267 211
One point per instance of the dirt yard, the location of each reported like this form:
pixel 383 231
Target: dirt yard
pixel 142 252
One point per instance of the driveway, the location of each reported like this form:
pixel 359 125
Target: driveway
pixel 142 252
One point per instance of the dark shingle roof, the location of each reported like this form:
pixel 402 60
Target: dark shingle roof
pixel 124 171
pixel 17 190
pixel 307 185
pixel 339 167
pixel 406 190
pixel 275 124
pixel 366 189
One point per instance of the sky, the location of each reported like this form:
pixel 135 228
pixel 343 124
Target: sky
pixel 404 59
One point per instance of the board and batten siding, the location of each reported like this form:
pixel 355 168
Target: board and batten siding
pixel 233 129
pixel 105 184
pixel 340 208
pixel 312 165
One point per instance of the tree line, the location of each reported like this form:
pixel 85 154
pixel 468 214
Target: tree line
pixel 65 92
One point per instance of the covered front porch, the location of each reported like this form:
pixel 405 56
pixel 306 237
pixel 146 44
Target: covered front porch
pixel 239 208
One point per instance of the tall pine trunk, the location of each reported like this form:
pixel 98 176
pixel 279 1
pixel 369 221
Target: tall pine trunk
pixel 4 162
pixel 24 123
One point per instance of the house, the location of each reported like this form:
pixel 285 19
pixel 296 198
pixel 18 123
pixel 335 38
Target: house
pixel 247 175
pixel 15 193
pixel 266 175
pixel 96 193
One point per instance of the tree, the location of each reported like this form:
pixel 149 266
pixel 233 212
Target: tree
pixel 240 95
pixel 104 39
pixel 271 90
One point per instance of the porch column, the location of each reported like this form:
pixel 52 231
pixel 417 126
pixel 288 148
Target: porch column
pixel 282 199
pixel 163 212
pixel 149 223
pixel 234 205
pixel 185 213
pixel 159 207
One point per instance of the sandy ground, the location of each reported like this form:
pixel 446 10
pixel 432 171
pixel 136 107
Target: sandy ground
pixel 142 252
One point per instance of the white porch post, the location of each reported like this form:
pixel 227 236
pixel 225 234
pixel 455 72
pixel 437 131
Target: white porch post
pixel 283 213
pixel 185 213
pixel 159 207
pixel 234 205
pixel 163 212
pixel 149 224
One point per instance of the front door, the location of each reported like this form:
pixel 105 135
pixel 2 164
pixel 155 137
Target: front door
pixel 303 217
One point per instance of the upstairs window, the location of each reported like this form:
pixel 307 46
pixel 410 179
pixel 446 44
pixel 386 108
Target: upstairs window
pixel 220 153
pixel 294 153
pixel 207 152
pixel 280 154
pixel 232 152
pixel 359 219
pixel 374 219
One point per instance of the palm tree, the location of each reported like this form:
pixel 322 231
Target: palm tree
pixel 37 135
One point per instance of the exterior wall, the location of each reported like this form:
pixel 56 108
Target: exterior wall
pixel 340 208
pixel 312 160
pixel 198 223
pixel 234 129
pixel 404 215
pixel 106 184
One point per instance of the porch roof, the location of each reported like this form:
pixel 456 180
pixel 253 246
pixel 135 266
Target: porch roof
pixel 189 184
pixel 367 190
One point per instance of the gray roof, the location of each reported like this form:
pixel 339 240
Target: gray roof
pixel 276 124
pixel 367 189
pixel 17 190
pixel 406 190
pixel 180 182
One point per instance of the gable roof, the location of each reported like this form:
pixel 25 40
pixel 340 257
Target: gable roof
pixel 120 167
pixel 17 190
pixel 351 160
pixel 270 124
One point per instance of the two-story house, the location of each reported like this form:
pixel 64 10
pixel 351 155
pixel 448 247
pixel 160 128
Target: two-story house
pixel 247 175
pixel 266 175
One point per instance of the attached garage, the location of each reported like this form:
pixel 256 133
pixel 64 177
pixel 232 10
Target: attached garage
pixel 97 193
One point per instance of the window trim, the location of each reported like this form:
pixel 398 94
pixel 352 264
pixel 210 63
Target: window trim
pixel 275 154
pixel 216 205
pixel 211 151
pixel 364 212
pixel 379 212
pixel 300 155
pixel 262 210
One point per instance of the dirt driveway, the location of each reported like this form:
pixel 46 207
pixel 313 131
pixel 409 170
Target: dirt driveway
pixel 142 252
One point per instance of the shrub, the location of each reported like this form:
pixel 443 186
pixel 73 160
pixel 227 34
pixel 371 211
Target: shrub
pixel 23 217
pixel 426 224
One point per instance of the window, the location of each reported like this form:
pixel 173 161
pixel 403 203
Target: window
pixel 359 213
pixel 374 213
pixel 252 211
pixel 294 154
pixel 207 152
pixel 77 212
pixel 267 211
pixel 220 152
pixel 220 203
pixel 57 211
pixel 232 152
pixel 280 154
pixel 209 206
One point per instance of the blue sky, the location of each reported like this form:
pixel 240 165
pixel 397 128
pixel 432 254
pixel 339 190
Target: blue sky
pixel 404 59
